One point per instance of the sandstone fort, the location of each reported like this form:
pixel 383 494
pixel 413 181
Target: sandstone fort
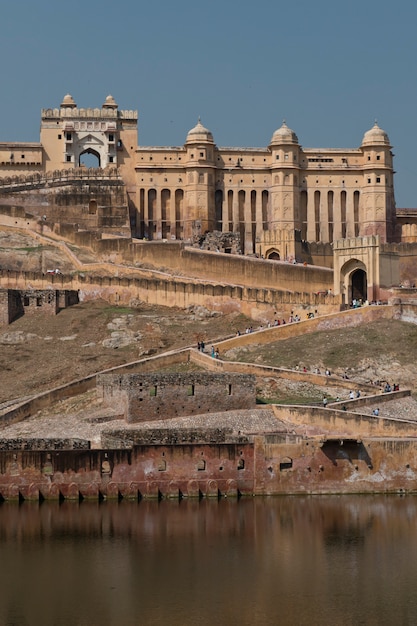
pixel 312 235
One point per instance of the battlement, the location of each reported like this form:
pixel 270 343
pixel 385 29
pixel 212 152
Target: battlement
pixel 37 179
pixel 102 114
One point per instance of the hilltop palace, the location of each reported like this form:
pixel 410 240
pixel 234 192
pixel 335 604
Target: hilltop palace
pixel 324 207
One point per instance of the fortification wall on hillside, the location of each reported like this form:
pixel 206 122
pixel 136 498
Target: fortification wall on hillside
pixel 257 303
pixel 144 397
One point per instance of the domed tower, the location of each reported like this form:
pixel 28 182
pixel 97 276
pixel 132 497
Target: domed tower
pixel 68 102
pixel 109 103
pixel 285 151
pixel 200 172
pixel 377 207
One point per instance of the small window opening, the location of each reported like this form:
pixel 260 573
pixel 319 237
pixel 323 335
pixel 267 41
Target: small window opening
pixel 38 301
pixel 241 464
pixel 285 464
pixel 25 301
pixel 191 390
pixel 162 465
pixel 152 391
pixel 201 465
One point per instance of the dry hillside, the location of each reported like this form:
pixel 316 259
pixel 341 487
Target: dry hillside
pixel 89 337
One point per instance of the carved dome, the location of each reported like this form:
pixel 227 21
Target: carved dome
pixel 68 101
pixel 110 103
pixel 199 133
pixel 284 135
pixel 375 136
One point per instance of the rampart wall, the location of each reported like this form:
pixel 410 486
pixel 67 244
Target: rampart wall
pixel 346 424
pixel 145 397
pixel 268 465
pixel 88 199
pixel 175 257
pixel 333 321
pixel 258 303
pixel 33 302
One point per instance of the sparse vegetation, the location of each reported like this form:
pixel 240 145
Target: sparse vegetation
pixel 51 351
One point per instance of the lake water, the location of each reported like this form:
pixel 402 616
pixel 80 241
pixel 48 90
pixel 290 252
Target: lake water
pixel 286 560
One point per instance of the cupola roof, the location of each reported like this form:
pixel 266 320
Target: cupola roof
pixel 375 136
pixel 110 103
pixel 284 135
pixel 199 133
pixel 68 101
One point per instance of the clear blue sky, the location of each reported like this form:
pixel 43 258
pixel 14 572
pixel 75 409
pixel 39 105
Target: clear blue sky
pixel 329 68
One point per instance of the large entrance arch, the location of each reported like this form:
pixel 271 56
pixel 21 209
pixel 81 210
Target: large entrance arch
pixel 89 158
pixel 353 281
pixel 359 285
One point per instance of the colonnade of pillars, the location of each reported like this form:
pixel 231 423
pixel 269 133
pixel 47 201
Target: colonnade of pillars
pixel 161 213
pixel 328 216
pixel 323 215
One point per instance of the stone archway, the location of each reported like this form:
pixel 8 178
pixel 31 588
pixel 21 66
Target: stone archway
pixel 273 254
pixel 359 285
pixel 354 281
pixel 91 158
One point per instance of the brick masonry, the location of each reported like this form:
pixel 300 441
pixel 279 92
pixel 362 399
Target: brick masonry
pixel 144 397
pixel 33 302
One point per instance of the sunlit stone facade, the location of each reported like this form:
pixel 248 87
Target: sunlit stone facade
pixel 272 196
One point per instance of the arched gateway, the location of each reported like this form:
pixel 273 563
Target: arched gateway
pixel 364 269
pixel 358 285
pixel 353 281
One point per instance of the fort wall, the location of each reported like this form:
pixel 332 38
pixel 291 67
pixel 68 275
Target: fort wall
pixel 257 303
pixel 345 424
pixel 33 302
pixel 141 397
pixel 268 465
pixel 89 199
pixel 352 318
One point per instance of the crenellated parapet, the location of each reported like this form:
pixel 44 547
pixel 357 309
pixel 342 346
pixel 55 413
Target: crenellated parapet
pixel 356 242
pixel 90 113
pixel 37 179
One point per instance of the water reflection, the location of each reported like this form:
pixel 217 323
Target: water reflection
pixel 291 560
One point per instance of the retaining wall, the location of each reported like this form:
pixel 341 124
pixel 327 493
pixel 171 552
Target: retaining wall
pixel 270 465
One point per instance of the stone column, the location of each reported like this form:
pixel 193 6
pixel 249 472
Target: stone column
pixel 172 210
pixel 235 210
pixel 258 211
pixel 311 218
pixel 337 216
pixel 248 243
pixel 350 214
pixel 324 217
pixel 158 214
pixel 225 212
pixel 146 213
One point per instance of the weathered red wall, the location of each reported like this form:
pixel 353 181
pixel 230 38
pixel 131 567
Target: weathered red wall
pixel 272 465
